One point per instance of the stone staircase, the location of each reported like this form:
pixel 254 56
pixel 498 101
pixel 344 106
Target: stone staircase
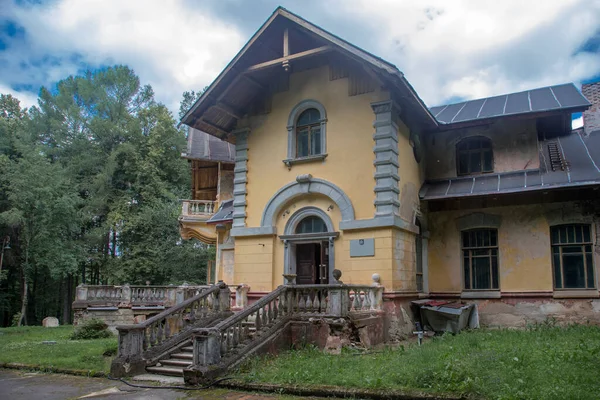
pixel 174 363
pixel 202 338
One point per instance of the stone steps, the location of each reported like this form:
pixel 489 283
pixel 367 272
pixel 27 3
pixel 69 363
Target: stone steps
pixel 183 356
pixel 173 362
pixel 170 371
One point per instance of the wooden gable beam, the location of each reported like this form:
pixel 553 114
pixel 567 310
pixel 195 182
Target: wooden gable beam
pixel 285 60
pixel 227 109
pixel 222 133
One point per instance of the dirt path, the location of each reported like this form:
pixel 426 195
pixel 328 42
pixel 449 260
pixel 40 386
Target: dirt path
pixel 18 385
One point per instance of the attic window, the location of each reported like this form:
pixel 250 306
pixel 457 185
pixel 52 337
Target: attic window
pixel 474 155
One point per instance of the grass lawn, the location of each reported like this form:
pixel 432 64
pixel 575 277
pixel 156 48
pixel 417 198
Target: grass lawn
pixel 543 362
pixel 24 345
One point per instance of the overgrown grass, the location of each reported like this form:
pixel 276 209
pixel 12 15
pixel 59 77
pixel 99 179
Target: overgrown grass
pixel 543 362
pixel 24 345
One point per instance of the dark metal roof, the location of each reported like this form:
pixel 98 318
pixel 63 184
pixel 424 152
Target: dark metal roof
pixel 580 155
pixel 552 98
pixel 224 214
pixel 202 146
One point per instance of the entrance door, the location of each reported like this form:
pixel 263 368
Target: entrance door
pixel 324 264
pixel 306 266
pixel 312 263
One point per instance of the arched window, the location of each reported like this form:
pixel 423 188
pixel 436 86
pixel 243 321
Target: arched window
pixel 311 224
pixel 474 155
pixel 308 133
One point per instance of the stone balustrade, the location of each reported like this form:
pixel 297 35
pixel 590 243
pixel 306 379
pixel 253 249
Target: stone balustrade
pixel 127 304
pixel 140 344
pixel 220 347
pixel 191 208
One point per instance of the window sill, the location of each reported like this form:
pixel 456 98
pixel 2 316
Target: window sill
pixel 300 160
pixel 575 293
pixel 480 294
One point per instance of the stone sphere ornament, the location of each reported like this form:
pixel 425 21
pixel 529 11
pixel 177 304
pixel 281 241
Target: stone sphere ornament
pixel 337 274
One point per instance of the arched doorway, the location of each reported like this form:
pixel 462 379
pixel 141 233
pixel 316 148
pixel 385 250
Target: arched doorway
pixel 309 250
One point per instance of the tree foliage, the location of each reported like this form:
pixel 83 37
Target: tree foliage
pixel 90 182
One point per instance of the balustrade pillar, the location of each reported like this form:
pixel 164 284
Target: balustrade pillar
pixel 224 300
pixel 126 294
pixel 129 359
pixel 338 302
pixel 207 348
pixel 241 296
pixel 376 294
pixel 82 292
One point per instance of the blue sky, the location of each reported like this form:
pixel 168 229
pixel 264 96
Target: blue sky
pixel 448 49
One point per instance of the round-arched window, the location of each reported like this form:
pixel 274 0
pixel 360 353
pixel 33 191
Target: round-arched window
pixel 311 224
pixel 308 133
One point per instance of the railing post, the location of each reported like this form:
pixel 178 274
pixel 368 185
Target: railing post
pixel 82 293
pixel 185 207
pixel 338 301
pixel 129 359
pixel 207 348
pixel 224 297
pixel 241 296
pixel 126 295
pixel 180 293
pixel 376 294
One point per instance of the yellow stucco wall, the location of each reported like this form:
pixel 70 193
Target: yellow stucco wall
pixel 514 145
pixel 349 163
pixel 524 246
pixel 260 260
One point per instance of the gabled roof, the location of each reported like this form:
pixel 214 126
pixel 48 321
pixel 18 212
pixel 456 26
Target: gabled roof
pixel 552 98
pixel 229 97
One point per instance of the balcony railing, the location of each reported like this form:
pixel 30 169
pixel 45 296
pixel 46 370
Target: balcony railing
pixel 198 208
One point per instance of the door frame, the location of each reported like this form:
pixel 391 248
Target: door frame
pixel 290 242
pixel 291 239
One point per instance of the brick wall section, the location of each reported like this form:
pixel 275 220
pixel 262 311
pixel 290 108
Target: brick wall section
pixel 591 117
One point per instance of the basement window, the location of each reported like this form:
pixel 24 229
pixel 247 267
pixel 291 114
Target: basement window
pixel 480 259
pixel 572 256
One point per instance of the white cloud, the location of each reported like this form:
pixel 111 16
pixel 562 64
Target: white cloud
pixel 577 122
pixel 26 99
pixel 169 44
pixel 478 48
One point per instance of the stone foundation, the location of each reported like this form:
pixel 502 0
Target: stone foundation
pixel 519 312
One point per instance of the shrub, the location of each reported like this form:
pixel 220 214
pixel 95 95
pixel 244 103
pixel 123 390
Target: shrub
pixel 110 350
pixel 91 329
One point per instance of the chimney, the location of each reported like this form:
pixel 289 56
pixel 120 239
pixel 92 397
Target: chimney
pixel 591 117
